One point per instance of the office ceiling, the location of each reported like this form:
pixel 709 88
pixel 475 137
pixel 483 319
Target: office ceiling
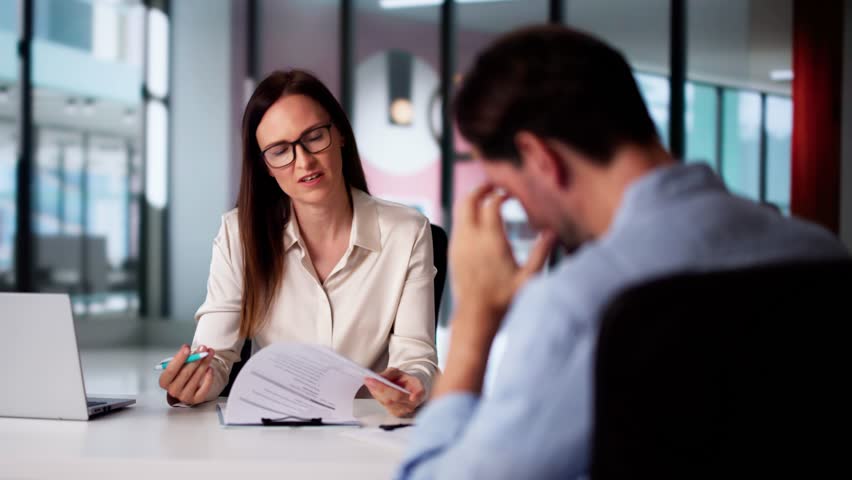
pixel 731 42
pixel 57 111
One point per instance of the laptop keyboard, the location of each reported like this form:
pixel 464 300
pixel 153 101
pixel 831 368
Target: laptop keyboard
pixel 91 403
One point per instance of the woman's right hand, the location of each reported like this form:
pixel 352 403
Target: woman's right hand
pixel 188 383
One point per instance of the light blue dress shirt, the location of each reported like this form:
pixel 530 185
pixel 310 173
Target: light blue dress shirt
pixel 536 423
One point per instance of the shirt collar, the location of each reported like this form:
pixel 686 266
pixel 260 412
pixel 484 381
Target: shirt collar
pixel 665 186
pixel 291 231
pixel 365 224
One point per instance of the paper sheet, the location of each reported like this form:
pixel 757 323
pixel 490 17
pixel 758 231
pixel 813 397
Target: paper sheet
pixel 296 380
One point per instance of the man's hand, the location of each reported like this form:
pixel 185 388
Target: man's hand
pixel 482 266
pixel 485 278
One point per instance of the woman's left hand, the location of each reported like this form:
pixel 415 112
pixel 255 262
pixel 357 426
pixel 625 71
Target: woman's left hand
pixel 397 403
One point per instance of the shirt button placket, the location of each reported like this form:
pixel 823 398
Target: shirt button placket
pixel 325 320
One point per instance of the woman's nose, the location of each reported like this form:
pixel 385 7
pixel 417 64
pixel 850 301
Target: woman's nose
pixel 304 159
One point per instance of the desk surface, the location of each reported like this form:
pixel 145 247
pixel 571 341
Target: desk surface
pixel 153 440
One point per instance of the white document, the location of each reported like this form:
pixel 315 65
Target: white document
pixel 296 381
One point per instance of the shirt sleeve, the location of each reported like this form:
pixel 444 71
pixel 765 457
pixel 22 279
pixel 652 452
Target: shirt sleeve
pixel 218 318
pixel 536 421
pixel 412 343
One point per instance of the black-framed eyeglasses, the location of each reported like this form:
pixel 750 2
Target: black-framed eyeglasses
pixel 314 140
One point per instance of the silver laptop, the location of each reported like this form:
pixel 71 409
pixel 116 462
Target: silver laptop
pixel 40 371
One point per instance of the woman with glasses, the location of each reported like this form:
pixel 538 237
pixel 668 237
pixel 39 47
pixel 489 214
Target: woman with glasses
pixel 310 256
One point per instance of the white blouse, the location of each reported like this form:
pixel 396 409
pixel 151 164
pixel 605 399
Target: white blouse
pixel 376 307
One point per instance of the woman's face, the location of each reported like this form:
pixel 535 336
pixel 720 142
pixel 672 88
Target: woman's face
pixel 309 178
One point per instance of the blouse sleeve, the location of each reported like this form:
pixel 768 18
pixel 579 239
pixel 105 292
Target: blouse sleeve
pixel 218 318
pixel 412 343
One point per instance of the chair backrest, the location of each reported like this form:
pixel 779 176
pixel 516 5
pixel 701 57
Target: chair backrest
pixel 245 353
pixel 440 244
pixel 728 374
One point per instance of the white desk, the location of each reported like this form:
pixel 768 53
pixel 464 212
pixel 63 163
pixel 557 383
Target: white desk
pixel 153 440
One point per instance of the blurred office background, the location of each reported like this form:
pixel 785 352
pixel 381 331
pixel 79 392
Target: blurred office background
pixel 119 121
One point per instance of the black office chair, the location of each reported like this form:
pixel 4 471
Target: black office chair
pixel 440 244
pixel 731 374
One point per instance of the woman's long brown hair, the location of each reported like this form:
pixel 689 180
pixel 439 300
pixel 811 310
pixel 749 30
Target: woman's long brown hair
pixel 264 209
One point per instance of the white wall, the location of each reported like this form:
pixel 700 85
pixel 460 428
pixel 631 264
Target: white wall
pixel 846 133
pixel 201 183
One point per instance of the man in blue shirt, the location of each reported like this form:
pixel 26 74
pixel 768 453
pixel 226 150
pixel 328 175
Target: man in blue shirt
pixel 557 121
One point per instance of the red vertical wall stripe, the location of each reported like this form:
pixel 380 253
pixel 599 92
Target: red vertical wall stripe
pixel 817 84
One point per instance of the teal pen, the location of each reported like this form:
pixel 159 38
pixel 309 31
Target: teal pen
pixel 192 358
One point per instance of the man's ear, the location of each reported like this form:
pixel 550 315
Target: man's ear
pixel 540 159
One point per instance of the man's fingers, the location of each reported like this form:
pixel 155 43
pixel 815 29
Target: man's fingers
pixel 491 209
pixel 539 253
pixel 468 209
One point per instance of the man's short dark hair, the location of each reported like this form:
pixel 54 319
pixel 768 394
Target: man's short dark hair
pixel 557 83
